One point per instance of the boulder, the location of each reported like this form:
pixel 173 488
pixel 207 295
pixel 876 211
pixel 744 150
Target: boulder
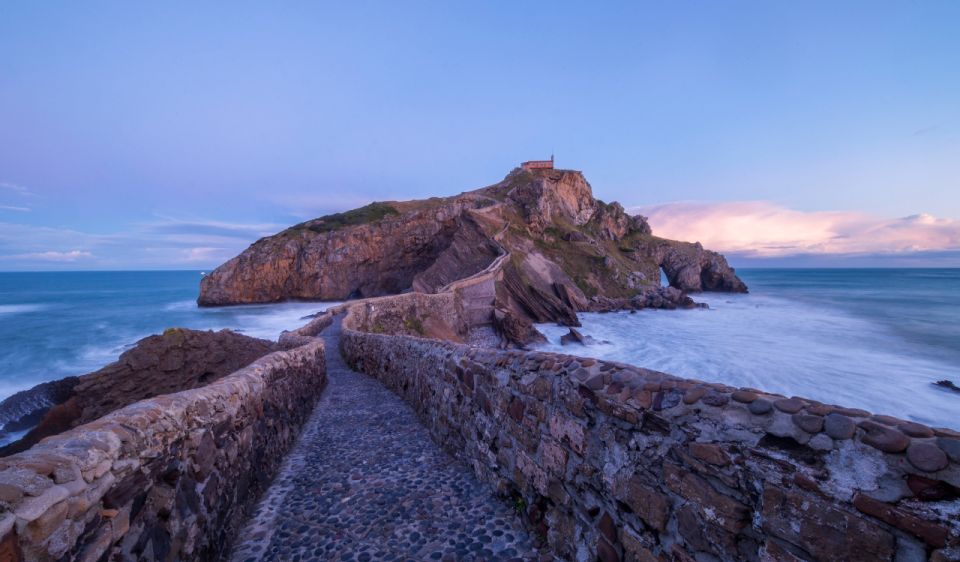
pixel 573 337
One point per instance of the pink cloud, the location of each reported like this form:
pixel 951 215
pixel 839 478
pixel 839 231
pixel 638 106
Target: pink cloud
pixel 763 229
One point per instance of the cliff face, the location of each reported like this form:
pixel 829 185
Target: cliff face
pixel 555 248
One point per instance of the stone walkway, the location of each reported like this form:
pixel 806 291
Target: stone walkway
pixel 366 482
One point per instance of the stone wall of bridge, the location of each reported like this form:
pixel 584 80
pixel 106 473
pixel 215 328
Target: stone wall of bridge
pixel 168 478
pixel 612 462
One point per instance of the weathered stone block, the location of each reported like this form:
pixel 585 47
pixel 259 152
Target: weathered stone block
pixel 927 457
pixel 568 431
pixel 822 529
pixel 882 437
pixel 10 548
pixel 634 549
pixel 651 505
pixel 719 508
pixel 709 452
pixel 789 405
pixel 760 407
pixel 930 532
pixel 532 473
pixel 606 552
pixel 553 458
pixel 42 527
pixel 839 426
pixel 33 508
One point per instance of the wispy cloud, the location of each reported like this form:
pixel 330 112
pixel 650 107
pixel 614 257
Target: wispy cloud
pixel 206 255
pixel 926 130
pixel 763 229
pixel 162 243
pixel 17 188
pixel 50 256
pixel 173 225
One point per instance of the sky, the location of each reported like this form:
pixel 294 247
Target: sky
pixel 172 135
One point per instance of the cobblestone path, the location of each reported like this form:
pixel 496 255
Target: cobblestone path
pixel 366 482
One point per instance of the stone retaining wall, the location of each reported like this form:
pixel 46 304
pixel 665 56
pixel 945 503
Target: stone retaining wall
pixel 432 315
pixel 169 478
pixel 613 462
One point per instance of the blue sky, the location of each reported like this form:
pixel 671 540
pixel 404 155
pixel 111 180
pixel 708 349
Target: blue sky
pixel 173 135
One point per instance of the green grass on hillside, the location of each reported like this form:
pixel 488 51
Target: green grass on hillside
pixel 364 215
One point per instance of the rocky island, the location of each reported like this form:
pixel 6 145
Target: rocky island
pixel 554 248
pixel 417 423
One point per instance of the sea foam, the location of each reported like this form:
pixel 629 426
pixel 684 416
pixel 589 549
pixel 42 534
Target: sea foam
pixel 778 345
pixel 20 308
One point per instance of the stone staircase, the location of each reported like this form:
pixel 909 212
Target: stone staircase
pixel 478 299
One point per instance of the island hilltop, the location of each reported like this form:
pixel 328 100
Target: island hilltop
pixel 555 250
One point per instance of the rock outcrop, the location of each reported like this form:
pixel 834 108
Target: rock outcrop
pixel 551 248
pixel 24 410
pixel 179 359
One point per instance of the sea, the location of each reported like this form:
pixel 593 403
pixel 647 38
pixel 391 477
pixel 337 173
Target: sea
pixel 870 338
pixel 55 324
pixel 876 339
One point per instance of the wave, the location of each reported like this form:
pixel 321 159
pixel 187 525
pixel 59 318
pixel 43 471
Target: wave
pixel 263 320
pixel 781 346
pixel 21 308
pixel 181 305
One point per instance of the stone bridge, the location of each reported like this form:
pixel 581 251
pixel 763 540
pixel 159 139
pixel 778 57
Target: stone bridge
pixel 423 447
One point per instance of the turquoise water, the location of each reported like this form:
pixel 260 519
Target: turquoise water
pixel 869 338
pixel 58 324
pixel 874 339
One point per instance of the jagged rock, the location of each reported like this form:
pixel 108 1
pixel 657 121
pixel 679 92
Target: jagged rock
pixel 948 384
pixel 469 251
pixel 550 196
pixel 179 359
pixel 527 290
pixel 691 268
pixel 26 408
pixel 514 330
pixel 575 236
pixel 647 297
pixel 555 249
pixel 573 337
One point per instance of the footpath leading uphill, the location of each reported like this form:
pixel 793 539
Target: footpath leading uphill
pixel 366 482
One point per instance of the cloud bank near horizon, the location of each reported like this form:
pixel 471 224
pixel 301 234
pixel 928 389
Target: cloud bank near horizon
pixel 163 243
pixel 759 230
